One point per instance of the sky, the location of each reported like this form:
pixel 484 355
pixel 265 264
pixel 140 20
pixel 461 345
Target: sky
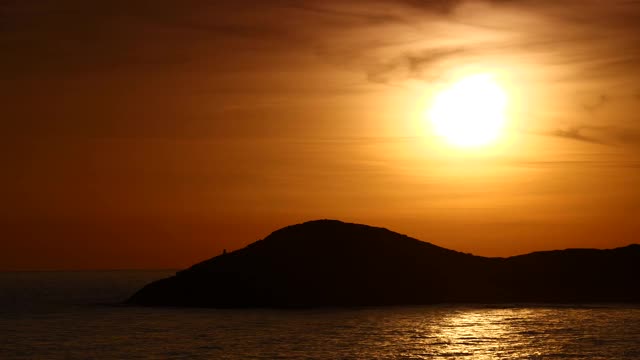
pixel 155 134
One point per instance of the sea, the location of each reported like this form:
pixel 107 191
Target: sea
pixel 80 315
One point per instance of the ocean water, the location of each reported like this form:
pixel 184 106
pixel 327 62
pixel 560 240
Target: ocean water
pixel 77 315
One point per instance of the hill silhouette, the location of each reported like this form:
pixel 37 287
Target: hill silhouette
pixel 332 263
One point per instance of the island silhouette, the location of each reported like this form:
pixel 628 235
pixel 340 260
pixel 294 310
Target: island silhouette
pixel 331 263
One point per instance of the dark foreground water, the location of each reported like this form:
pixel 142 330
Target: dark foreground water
pixel 73 315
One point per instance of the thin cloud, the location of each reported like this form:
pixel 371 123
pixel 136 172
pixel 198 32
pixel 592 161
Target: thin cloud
pixel 574 133
pixel 601 101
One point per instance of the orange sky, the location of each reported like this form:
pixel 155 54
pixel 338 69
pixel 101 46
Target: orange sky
pixel 154 134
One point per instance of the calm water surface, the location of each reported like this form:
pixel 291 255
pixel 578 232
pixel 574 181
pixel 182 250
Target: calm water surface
pixel 73 315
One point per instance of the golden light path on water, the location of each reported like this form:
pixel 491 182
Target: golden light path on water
pixel 482 334
pixel 453 332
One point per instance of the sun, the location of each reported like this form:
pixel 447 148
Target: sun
pixel 470 113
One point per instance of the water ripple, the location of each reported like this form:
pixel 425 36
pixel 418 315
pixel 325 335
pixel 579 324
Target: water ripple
pixel 38 329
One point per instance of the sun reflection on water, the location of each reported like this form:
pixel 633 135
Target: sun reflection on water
pixel 482 334
pixel 508 333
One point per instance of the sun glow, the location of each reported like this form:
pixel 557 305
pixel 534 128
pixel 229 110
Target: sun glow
pixel 470 113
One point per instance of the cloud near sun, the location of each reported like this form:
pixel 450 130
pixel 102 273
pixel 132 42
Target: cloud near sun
pixel 581 51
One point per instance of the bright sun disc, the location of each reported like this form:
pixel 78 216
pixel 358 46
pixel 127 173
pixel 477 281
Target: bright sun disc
pixel 469 113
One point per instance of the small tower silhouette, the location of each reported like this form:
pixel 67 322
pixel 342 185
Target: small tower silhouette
pixel 224 251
